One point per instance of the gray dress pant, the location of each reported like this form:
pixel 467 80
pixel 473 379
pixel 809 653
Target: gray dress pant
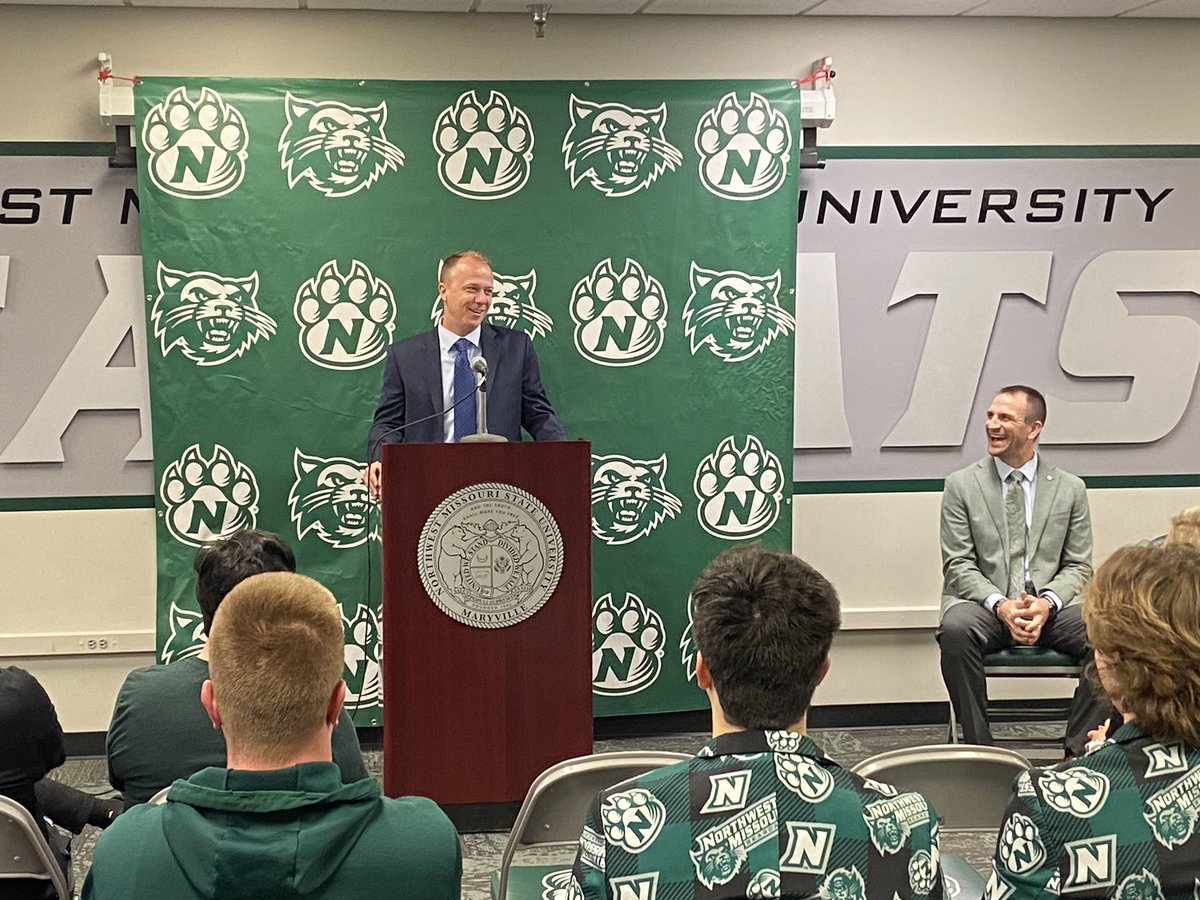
pixel 969 631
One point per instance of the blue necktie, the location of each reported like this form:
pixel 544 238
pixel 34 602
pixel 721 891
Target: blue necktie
pixel 464 386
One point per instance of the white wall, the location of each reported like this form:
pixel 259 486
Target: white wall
pixel 900 82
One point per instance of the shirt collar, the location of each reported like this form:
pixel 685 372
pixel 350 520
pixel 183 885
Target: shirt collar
pixel 448 338
pixel 1029 470
pixel 747 742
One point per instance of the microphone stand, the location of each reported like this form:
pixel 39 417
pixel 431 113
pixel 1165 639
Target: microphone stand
pixel 482 436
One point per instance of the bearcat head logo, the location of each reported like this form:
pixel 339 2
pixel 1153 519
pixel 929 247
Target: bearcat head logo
pixel 187 636
pixel 744 148
pixel 719 863
pixel 346 321
pixel 329 498
pixel 617 148
pixel 364 640
pixel 843 884
pixel 210 318
pixel 206 499
pixel 484 151
pixel 338 149
pixel 196 149
pixel 734 314
pixel 513 305
pixel 629 497
pixel 619 315
pixel 687 643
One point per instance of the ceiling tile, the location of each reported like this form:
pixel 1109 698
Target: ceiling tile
pixel 891 7
pixel 591 7
pixel 448 6
pixel 1177 9
pixel 727 7
pixel 1057 9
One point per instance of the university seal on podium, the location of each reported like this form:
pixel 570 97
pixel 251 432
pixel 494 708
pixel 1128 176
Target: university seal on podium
pixel 490 555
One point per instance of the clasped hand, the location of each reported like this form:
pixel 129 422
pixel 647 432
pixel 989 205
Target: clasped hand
pixel 1025 616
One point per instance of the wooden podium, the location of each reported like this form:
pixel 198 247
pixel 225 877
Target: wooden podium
pixel 472 714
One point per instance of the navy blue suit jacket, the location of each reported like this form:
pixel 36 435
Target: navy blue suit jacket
pixel 412 389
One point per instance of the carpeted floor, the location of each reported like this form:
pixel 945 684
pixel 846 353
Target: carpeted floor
pixel 847 747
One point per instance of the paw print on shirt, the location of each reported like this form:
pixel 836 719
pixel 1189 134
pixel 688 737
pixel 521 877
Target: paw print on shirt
pixel 740 489
pixel 632 819
pixel 485 149
pixel 803 777
pixel 744 148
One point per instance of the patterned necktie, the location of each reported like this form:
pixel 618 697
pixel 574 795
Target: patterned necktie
pixel 1014 503
pixel 464 385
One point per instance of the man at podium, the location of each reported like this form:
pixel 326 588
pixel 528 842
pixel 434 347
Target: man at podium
pixel 430 379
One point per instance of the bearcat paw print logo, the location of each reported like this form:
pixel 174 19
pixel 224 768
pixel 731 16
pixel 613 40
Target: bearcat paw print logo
pixel 619 316
pixel 561 885
pixel 921 876
pixel 803 777
pixel 618 149
pixel 346 321
pixel 764 885
pixel 338 149
pixel 195 149
pixel 1020 846
pixel 783 741
pixel 211 318
pixel 329 498
pixel 187 636
pixel 734 314
pixel 740 489
pixel 744 148
pixel 206 499
pixel 632 819
pixel 485 150
pixel 364 643
pixel 627 642
pixel 1076 791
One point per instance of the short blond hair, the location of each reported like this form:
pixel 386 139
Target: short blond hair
pixel 275 657
pixel 1185 528
pixel 452 261
pixel 1142 611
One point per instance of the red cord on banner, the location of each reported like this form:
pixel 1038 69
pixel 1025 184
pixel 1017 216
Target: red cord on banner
pixel 106 74
pixel 823 73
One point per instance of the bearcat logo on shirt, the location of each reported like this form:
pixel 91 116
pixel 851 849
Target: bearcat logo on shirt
pixel 632 819
pixel 195 149
pixel 187 636
pixel 627 640
pixel 1172 813
pixel 619 149
pixel 1075 791
pixel 720 853
pixel 629 497
pixel 1142 886
pixel 328 497
pixel 1020 847
pixel 619 316
pixel 346 321
pixel 337 149
pixel 211 318
pixel 485 151
pixel 206 499
pixel 764 885
pixel 513 305
pixel 744 148
pixel 735 314
pixel 891 822
pixel 740 489
pixel 561 885
pixel 364 644
pixel 843 884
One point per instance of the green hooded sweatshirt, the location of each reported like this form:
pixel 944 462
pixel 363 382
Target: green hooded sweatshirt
pixel 299 832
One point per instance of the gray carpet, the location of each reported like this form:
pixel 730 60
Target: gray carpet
pixel 848 747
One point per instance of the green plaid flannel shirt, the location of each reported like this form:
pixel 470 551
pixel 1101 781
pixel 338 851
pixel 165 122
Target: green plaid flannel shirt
pixel 757 814
pixel 1120 822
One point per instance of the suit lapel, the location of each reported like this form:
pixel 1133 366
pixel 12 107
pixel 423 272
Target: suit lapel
pixel 487 346
pixel 988 480
pixel 1043 502
pixel 432 362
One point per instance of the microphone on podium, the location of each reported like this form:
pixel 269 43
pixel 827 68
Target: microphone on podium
pixel 480 367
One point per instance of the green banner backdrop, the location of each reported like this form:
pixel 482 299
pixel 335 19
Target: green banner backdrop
pixel 642 233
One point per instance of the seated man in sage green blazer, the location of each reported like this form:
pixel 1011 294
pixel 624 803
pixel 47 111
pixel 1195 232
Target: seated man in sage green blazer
pixel 1016 538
